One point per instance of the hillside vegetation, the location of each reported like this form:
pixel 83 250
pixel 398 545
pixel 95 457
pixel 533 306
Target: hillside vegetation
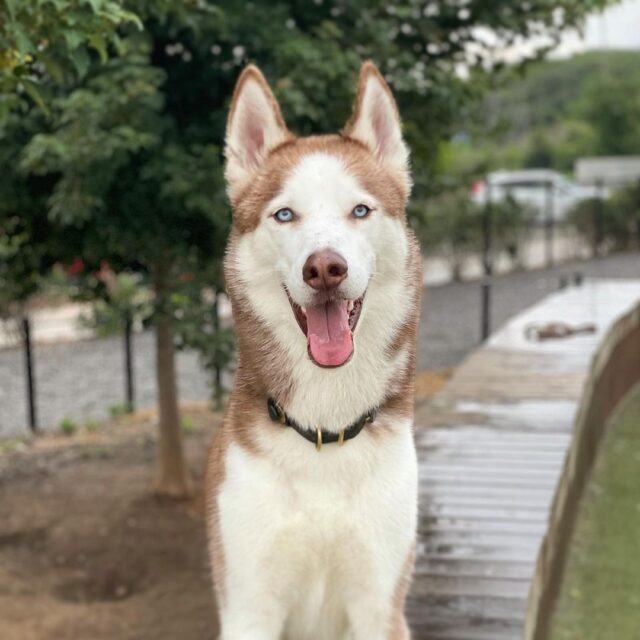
pixel 558 111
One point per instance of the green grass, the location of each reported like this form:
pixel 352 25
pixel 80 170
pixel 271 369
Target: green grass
pixel 600 596
pixel 119 409
pixel 188 426
pixel 12 444
pixel 91 425
pixel 68 426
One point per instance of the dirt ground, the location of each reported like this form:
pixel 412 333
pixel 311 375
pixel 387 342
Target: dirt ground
pixel 87 552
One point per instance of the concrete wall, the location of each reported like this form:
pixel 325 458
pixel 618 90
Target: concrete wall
pixel 614 372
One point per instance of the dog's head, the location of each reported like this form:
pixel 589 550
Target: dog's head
pixel 319 222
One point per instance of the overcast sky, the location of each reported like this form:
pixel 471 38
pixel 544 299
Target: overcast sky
pixel 616 28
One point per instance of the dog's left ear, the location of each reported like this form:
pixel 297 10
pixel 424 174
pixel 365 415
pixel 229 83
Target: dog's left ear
pixel 255 126
pixel 376 122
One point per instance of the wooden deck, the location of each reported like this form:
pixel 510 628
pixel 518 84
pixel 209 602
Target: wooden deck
pixel 491 447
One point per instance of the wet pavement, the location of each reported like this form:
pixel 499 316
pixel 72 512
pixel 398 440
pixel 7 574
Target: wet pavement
pixel 450 322
pixel 491 446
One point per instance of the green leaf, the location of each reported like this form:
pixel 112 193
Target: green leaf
pixel 80 60
pixel 34 93
pixel 24 44
pixel 52 66
pixel 73 38
pixel 98 42
pixel 11 8
pixel 96 5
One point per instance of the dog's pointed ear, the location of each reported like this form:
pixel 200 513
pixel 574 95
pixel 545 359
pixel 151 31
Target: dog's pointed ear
pixel 255 126
pixel 376 121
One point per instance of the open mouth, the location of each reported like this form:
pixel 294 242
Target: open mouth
pixel 329 327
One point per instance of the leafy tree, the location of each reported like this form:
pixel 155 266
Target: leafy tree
pixel 539 152
pixel 50 39
pixel 199 325
pixel 511 221
pixel 43 43
pixel 451 224
pixel 132 147
pixel 29 244
pixel 548 92
pixel 118 298
pixel 611 106
pixel 557 112
pixel 142 193
pixel 614 222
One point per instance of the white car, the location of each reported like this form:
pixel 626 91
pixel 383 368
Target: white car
pixel 548 193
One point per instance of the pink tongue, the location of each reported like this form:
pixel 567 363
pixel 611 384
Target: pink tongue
pixel 328 334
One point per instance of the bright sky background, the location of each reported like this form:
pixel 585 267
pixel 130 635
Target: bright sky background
pixel 617 28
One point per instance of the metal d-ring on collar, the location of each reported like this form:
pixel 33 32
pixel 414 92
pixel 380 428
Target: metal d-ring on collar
pixel 319 436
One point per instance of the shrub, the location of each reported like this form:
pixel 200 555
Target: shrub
pixel 452 224
pixel 614 222
pixel 623 225
pixel 187 425
pixel 68 426
pixel 511 223
pixel 91 425
pixel 119 409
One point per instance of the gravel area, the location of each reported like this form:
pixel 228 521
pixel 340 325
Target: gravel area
pixel 84 379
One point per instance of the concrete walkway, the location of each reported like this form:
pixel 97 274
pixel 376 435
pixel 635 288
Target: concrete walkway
pixel 491 447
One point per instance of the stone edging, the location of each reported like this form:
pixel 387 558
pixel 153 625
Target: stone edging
pixel 615 370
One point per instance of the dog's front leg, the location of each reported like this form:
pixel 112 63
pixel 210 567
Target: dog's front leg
pixel 371 620
pixel 254 619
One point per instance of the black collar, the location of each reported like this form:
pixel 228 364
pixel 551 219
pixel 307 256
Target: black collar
pixel 320 436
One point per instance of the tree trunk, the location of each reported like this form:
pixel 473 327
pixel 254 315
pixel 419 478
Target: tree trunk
pixel 172 474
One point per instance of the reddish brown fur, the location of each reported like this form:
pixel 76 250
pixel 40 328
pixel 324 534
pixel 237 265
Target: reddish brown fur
pixel 213 479
pixel 268 180
pixel 399 399
pixel 261 373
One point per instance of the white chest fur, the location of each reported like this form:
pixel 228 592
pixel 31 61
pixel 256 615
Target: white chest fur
pixel 316 541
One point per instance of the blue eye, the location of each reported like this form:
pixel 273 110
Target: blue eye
pixel 283 215
pixel 361 211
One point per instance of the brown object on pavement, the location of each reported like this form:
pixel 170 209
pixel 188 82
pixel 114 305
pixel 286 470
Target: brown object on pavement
pixel 557 330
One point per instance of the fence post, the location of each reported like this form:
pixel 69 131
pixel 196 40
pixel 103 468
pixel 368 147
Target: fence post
pixel 128 362
pixel 549 223
pixel 485 313
pixel 598 227
pixel 31 383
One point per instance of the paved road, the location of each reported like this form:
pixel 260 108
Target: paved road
pixel 451 313
pixel 83 379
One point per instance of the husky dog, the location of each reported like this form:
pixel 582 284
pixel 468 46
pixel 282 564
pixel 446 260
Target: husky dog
pixel 312 478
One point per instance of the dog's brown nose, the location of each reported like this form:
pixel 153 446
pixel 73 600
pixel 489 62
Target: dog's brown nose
pixel 324 270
